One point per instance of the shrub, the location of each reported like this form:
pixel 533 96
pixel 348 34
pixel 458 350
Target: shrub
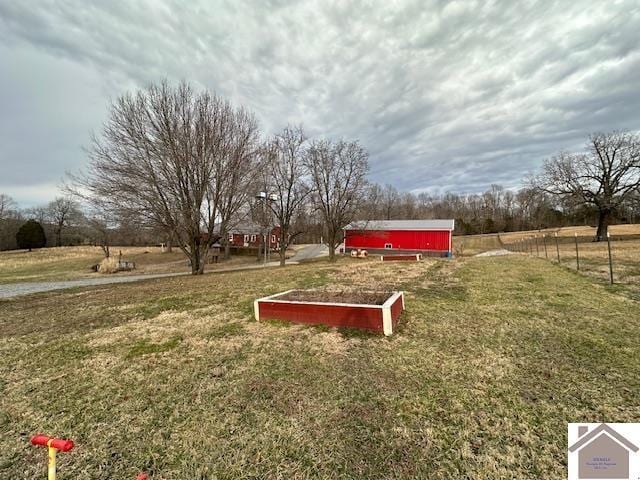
pixel 31 235
pixel 108 265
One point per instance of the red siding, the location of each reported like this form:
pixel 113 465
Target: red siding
pixel 435 240
pixel 258 237
pixel 401 258
pixel 332 315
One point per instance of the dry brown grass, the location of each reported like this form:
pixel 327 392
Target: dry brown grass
pixel 108 265
pixel 470 245
pixel 173 377
pixel 581 231
pixel 594 256
pixel 70 263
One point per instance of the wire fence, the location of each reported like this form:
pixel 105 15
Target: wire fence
pixel 616 259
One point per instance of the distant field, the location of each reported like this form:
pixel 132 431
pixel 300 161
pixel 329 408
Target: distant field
pixel 470 245
pixel 71 263
pixel 174 377
pixel 594 259
pixel 582 231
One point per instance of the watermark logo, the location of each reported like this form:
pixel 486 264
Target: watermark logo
pixel 604 450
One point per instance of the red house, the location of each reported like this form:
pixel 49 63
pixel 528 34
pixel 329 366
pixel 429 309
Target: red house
pixel 250 235
pixel 429 237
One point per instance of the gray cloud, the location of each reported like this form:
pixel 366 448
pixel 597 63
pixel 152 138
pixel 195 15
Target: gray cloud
pixel 445 95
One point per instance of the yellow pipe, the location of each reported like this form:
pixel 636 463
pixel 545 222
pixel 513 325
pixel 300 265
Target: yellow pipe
pixel 52 461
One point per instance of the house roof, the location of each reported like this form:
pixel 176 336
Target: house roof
pixel 401 225
pixel 602 428
pixel 243 227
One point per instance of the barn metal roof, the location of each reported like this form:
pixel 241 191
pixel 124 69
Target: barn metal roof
pixel 401 225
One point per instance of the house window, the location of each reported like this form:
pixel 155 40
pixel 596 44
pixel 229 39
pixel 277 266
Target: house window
pixel 231 237
pixel 387 245
pixel 273 239
pixel 246 239
pixel 253 238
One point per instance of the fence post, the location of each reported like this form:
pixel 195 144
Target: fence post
pixel 610 261
pixel 557 248
pixel 537 246
pixel 544 241
pixel 577 255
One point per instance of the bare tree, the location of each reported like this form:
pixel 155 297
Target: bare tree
pixel 39 213
pixel 283 159
pixel 235 176
pixel 605 176
pixel 160 154
pixel 62 212
pixel 338 173
pixel 101 231
pixel 390 201
pixel 7 205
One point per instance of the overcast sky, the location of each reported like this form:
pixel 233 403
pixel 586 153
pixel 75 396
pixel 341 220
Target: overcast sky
pixel 444 95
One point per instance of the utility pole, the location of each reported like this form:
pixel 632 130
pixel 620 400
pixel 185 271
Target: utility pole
pixel 610 261
pixel 267 199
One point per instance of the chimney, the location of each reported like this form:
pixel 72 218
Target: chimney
pixel 582 429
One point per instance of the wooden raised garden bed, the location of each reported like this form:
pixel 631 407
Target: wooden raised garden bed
pixel 414 257
pixel 378 311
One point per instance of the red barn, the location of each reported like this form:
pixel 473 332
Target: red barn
pixel 429 237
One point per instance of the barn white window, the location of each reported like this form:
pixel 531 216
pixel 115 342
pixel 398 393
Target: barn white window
pixel 253 238
pixel 231 237
pixel 387 245
pixel 246 239
pixel 273 239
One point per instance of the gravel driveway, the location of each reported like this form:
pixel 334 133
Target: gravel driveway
pixel 311 251
pixel 25 288
pixel 10 290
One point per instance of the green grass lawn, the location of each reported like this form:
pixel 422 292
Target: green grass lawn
pixel 493 357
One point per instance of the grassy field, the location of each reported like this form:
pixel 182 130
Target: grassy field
pixel 594 257
pixel 174 377
pixel 71 263
pixel 470 245
pixel 582 231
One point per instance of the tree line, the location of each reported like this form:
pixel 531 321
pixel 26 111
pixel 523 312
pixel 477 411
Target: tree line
pixel 185 167
pixel 190 164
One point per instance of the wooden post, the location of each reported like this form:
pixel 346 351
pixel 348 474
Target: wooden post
pixel 577 255
pixel 537 246
pixel 557 247
pixel 610 261
pixel 544 241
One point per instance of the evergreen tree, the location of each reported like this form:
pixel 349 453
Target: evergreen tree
pixel 31 235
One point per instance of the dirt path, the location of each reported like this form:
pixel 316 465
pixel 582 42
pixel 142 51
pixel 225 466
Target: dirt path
pixel 494 253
